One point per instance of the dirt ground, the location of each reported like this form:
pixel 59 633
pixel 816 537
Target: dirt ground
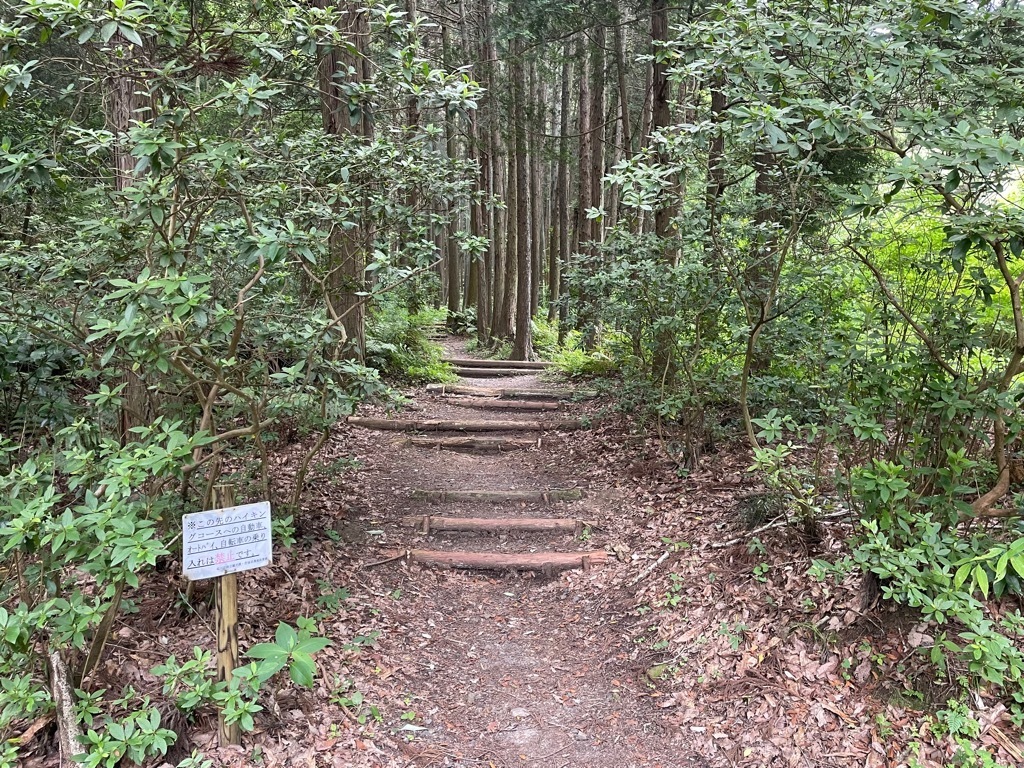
pixel 684 650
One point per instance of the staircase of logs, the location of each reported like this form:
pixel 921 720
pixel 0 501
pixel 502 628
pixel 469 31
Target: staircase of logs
pixel 492 436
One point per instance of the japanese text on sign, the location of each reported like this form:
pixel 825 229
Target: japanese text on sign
pixel 229 540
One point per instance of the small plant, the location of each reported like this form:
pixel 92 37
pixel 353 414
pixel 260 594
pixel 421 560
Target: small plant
pixel 190 682
pixel 330 598
pixel 283 531
pixel 291 648
pixel 369 640
pixel 137 737
pixel 674 596
pixel 734 633
pixel 87 705
pixel 885 729
pixel 761 572
pixel 196 760
pixel 347 696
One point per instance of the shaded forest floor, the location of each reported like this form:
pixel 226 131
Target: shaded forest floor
pixel 679 652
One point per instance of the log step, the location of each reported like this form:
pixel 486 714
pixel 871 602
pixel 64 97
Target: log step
pixel 446 425
pixel 497 497
pixel 509 394
pixel 431 523
pixel 548 562
pixel 474 444
pixel 530 365
pixel 491 373
pixel 493 404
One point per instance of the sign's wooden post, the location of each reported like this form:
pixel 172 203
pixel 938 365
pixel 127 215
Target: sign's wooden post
pixel 219 544
pixel 226 602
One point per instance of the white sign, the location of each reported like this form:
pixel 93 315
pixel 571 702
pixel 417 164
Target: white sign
pixel 221 541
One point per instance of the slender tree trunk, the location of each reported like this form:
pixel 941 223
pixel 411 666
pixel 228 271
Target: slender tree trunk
pixel 453 267
pixel 664 366
pixel 661 109
pixel 536 202
pixel 597 121
pixel 523 347
pixel 475 278
pixel 645 222
pixel 486 291
pixel 626 132
pixel 506 328
pixel 559 252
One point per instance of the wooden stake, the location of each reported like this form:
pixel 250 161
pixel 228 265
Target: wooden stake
pixel 226 607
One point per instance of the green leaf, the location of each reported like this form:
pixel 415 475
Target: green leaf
pixel 107 31
pixel 301 670
pixel 129 34
pixel 311 645
pixel 981 577
pixel 267 651
pixel 285 636
pixel 961 575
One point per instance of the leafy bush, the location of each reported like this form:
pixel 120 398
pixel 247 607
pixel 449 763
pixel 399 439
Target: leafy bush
pixel 397 343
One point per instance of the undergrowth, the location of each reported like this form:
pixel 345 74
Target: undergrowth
pixel 397 343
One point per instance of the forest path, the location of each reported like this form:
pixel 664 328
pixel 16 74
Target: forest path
pixel 517 670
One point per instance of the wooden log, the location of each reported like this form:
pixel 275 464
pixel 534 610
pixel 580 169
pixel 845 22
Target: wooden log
pixel 429 523
pixel 548 562
pixel 491 373
pixel 531 365
pixel 474 444
pixel 446 425
pixel 489 404
pixel 498 497
pixel 509 394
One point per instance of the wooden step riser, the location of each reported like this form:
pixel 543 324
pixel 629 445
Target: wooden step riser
pixel 491 373
pixel 499 497
pixel 546 562
pixel 509 394
pixel 527 365
pixel 493 404
pixel 445 425
pixel 431 524
pixel 474 444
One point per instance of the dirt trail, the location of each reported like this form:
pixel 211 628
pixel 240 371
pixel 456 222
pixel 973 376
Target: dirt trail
pixel 516 670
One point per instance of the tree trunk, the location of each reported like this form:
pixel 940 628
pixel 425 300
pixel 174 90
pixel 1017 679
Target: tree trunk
pixel 626 132
pixel 597 120
pixel 523 346
pixel 453 266
pixel 122 108
pixel 537 93
pixel 559 252
pixel 664 365
pixel 347 246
